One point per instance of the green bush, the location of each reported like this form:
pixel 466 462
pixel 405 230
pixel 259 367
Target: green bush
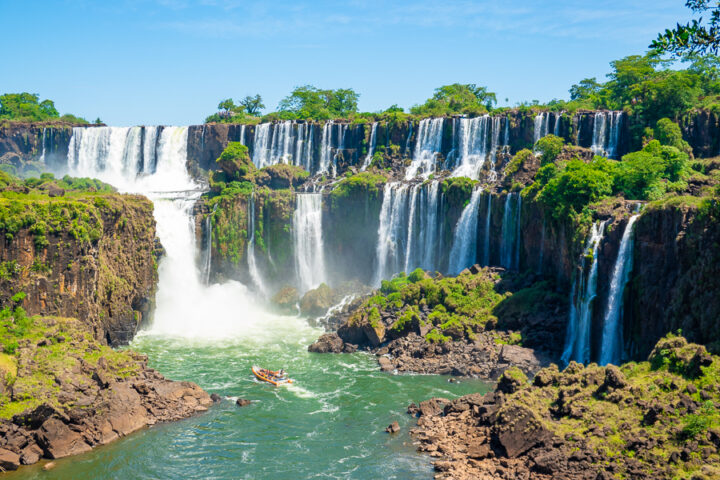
pixel 668 133
pixel 550 147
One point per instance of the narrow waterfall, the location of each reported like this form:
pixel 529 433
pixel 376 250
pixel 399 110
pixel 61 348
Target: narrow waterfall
pixel 243 140
pixel 606 133
pixel 541 126
pixel 371 147
pixel 307 232
pixel 495 141
pixel 577 338
pixel 408 140
pixel 611 346
pixel 463 253
pixel 42 156
pixel 429 226
pixel 486 235
pixel 282 142
pixel 411 248
pixel 556 128
pixel 206 254
pixel 261 145
pixel 518 231
pixel 332 143
pixel 391 231
pixel 150 141
pixel 252 263
pixel 427 147
pixel 509 230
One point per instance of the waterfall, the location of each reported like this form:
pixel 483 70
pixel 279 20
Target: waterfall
pixel 206 257
pixel 486 241
pixel 261 148
pixel 371 147
pixel 408 140
pixel 473 146
pixel 556 128
pixel 611 346
pixel 606 133
pixel 463 253
pixel 283 142
pixel 118 155
pixel 411 248
pixel 42 156
pixel 541 126
pixel 392 231
pixel 518 230
pixel 429 223
pixel 577 338
pixel 494 140
pixel 307 232
pixel 427 147
pixel 252 264
pixel 509 230
pixel 242 134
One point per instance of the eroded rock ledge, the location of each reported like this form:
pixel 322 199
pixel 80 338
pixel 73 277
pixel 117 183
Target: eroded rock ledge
pixel 63 393
pixel 651 420
pixel 470 325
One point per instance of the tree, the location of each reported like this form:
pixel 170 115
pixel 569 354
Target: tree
pixel 26 107
pixel 98 121
pixel 586 88
pixel 697 36
pixel 253 104
pixel 457 98
pixel 228 105
pixel 308 102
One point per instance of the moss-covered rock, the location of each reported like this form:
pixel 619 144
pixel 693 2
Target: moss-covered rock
pixel 286 300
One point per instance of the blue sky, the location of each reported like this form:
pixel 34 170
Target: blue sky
pixel 170 61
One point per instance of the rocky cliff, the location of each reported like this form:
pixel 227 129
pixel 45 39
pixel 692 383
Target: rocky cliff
pixel 85 255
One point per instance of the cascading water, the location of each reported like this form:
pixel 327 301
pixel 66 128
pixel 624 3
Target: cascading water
pixel 42 156
pixel 206 257
pixel 371 147
pixel 252 262
pixel 283 142
pixel 473 146
pixel 427 147
pixel 486 235
pixel 611 345
pixel 606 133
pixel 429 226
pixel 509 230
pixel 307 232
pixel 541 126
pixel 577 338
pixel 392 231
pixel 464 248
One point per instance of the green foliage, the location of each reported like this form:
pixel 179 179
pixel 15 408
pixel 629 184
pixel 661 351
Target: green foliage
pixel 309 102
pixel 701 35
pixel 668 133
pixel 235 162
pixel 644 175
pixel 577 185
pixel 27 107
pixel 360 185
pixel 550 147
pixel 457 98
pixel 252 104
pixel 697 423
pixel 518 161
pixel 458 190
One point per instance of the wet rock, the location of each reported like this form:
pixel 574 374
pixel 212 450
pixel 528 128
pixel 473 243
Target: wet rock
pixel 31 454
pixel 328 343
pixel 518 431
pixel 317 301
pixel 286 300
pixel 9 460
pixel 512 380
pixel 394 427
pixel 242 402
pixel 385 364
pixel 57 440
pixel 215 397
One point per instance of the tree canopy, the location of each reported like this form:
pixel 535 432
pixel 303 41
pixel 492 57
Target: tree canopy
pixel 701 35
pixel 457 98
pixel 27 107
pixel 309 102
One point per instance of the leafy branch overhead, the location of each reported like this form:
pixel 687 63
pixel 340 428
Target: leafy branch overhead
pixel 701 35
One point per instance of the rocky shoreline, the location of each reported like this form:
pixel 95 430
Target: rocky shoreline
pixel 80 395
pixel 643 421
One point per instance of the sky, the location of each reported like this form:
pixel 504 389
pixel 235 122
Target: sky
pixel 170 62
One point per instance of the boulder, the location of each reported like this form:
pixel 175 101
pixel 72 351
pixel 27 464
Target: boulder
pixel 285 301
pixel 518 430
pixel 215 397
pixel 512 380
pixel 328 343
pixel 57 440
pixel 316 302
pixel 394 427
pixel 9 460
pixel 385 364
pixel 242 402
pixel 31 454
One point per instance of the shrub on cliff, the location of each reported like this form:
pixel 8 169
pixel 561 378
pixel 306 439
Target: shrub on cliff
pixel 649 173
pixel 235 162
pixel 360 185
pixel 668 133
pixel 27 107
pixel 550 147
pixel 458 190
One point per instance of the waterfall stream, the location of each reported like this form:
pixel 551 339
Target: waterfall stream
pixel 577 340
pixel 464 248
pixel 427 148
pixel 371 147
pixel 307 232
pixel 611 346
pixel 252 263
